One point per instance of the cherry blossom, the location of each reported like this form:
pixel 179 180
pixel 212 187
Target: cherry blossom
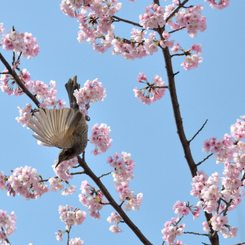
pixel 7 225
pixel 22 43
pixel 152 92
pixel 100 138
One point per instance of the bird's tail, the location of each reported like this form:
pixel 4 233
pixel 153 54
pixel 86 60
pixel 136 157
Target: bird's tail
pixel 72 85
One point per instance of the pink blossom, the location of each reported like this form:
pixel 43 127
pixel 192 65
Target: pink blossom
pixel 71 217
pixel 114 218
pixel 152 92
pixel 220 5
pixel 191 62
pixel 7 225
pixel 100 138
pixel 25 182
pixel 76 241
pixel 20 43
pixel 191 18
pixel 91 199
pixel 153 17
pixel 62 171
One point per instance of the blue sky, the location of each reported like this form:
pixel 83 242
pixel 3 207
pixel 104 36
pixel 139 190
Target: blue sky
pixel 213 91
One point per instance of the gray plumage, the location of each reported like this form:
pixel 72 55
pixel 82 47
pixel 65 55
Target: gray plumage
pixel 63 128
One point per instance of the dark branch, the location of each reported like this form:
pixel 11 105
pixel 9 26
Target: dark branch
pixel 198 131
pixel 176 10
pixel 18 81
pixel 104 175
pixel 113 203
pixel 204 159
pixel 195 233
pixel 117 19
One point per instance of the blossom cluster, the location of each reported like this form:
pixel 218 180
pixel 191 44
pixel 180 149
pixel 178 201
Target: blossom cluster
pixel 96 27
pixel 22 43
pixel 91 92
pixel 3 179
pixel 7 225
pixel 135 49
pixel 62 170
pixel 8 84
pixel 191 18
pixel 25 182
pixel 153 17
pixel 114 218
pixel 220 5
pixel 91 199
pixel 100 138
pixel 56 185
pixel 122 174
pixel 191 62
pixel 152 92
pixel 207 189
pixel 25 115
pixel 219 223
pixel 44 92
pixel 71 217
pixel 171 230
pixel 220 200
pixel 76 241
pixel 2 29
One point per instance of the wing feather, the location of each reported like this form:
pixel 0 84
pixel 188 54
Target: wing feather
pixel 54 127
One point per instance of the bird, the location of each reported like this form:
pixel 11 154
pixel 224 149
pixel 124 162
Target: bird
pixel 64 128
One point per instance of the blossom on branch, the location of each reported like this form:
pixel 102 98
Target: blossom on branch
pixel 71 216
pixel 20 43
pixel 100 138
pixel 91 199
pixel 25 182
pixel 152 92
pixel 114 218
pixel 7 225
pixel 122 174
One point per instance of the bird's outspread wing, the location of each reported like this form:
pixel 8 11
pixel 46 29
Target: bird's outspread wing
pixel 54 127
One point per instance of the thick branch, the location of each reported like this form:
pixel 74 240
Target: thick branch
pixel 213 236
pixel 18 81
pixel 108 196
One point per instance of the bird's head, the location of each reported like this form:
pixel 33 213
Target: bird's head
pixel 64 155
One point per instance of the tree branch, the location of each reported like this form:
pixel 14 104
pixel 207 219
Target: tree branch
pixel 204 159
pixel 213 236
pixel 18 81
pixel 176 10
pixel 198 131
pixel 195 233
pixel 126 21
pixel 108 196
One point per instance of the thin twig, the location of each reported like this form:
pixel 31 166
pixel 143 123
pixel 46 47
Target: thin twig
pixel 195 233
pixel 104 175
pixel 198 131
pixel 159 86
pixel 126 21
pixel 56 177
pixel 182 54
pixel 177 29
pixel 176 10
pixel 204 159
